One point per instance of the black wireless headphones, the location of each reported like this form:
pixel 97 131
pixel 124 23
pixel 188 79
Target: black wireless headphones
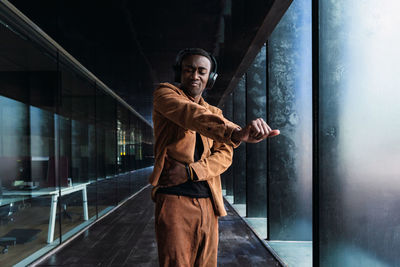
pixel 196 51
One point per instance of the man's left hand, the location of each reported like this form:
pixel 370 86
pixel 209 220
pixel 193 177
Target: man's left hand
pixel 174 173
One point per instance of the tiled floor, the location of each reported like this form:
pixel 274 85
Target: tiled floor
pixel 259 225
pixel 293 253
pixel 126 238
pixel 240 209
pixel 296 254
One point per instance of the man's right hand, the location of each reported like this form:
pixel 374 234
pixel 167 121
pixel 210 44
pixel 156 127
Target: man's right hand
pixel 256 131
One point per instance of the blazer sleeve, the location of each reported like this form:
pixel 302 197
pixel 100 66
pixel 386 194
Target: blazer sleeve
pixel 214 165
pixel 190 115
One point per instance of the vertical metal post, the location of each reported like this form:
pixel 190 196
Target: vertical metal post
pixel 315 112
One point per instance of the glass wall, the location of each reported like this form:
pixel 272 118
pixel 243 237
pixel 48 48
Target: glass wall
pixel 246 186
pixel 239 158
pixel 290 111
pixel 227 176
pixel 272 180
pixel 359 151
pixel 256 154
pixel 337 155
pixel 69 147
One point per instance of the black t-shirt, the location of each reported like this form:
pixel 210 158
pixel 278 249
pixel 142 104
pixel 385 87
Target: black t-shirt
pixel 190 188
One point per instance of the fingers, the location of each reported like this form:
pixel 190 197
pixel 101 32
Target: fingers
pixel 274 133
pixel 261 130
pixel 255 131
pixel 269 128
pixel 266 129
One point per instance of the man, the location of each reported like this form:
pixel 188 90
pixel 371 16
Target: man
pixel 193 146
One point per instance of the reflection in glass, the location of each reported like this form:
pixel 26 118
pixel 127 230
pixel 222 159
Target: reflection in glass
pixel 58 146
pixel 42 148
pixel 123 155
pixel 27 80
pixel 24 168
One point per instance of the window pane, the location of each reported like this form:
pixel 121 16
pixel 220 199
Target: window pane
pixel 359 126
pixel 76 126
pixel 28 86
pixel 290 97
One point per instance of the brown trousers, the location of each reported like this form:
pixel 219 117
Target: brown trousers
pixel 186 231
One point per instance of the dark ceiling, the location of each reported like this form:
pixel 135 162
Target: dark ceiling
pixel 131 45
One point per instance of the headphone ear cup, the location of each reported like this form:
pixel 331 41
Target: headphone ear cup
pixel 211 80
pixel 213 74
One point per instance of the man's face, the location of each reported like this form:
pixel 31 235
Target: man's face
pixel 194 75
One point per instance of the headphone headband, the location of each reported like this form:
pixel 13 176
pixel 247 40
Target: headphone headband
pixel 196 51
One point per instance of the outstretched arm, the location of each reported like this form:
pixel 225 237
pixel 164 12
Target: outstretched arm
pixel 221 157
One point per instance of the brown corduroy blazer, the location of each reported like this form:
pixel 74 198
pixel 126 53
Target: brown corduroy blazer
pixel 176 119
